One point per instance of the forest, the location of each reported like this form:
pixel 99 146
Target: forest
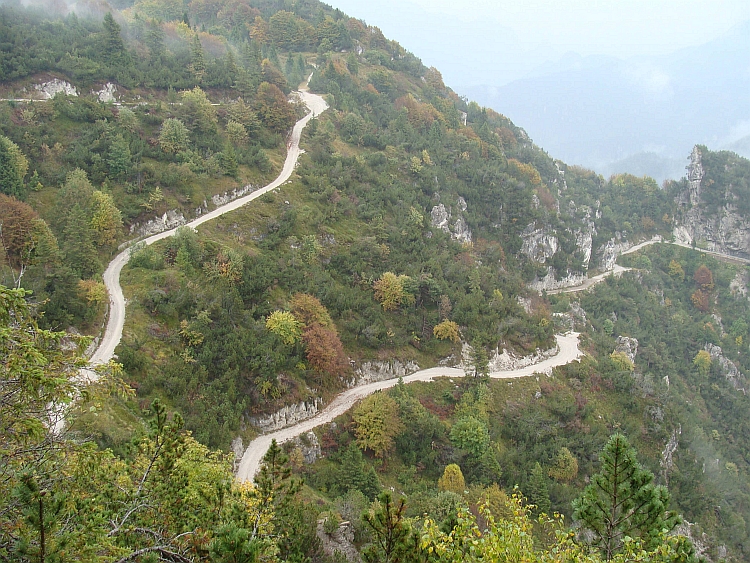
pixel 413 228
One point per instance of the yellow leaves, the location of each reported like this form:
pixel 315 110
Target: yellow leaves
pixel 621 360
pixel 92 291
pixel 190 336
pixel 153 198
pixel 447 330
pixel 377 423
pixel 525 172
pixel 107 219
pixel 702 362
pixel 565 467
pixel 390 291
pixel 285 326
pixel 452 479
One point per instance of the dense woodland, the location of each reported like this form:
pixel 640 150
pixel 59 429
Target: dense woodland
pixel 275 303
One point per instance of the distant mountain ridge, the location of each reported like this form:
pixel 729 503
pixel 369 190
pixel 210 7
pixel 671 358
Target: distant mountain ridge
pixel 641 115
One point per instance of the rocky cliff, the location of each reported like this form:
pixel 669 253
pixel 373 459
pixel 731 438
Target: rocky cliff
pixel 716 227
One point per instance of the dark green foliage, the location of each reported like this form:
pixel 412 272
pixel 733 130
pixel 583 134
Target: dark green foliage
pixel 11 182
pixel 393 538
pixel 355 474
pixel 78 245
pixel 537 491
pixel 622 501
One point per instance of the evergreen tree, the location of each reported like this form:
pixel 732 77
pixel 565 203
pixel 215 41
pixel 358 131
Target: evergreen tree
pixel 622 500
pixel 78 246
pixel 155 41
pixel 113 48
pixel 393 539
pixel 537 491
pixel 197 60
pixel 11 181
pixel 356 474
pixel 119 157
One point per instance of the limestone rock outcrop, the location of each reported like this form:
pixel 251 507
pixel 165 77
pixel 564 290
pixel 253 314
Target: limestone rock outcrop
pixel 49 89
pixel 722 230
pixel 627 346
pixel 287 416
pixel 441 217
pixel 369 372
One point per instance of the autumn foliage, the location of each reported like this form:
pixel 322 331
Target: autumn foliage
pixel 325 353
pixel 16 224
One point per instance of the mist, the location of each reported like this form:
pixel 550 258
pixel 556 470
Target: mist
pixel 624 86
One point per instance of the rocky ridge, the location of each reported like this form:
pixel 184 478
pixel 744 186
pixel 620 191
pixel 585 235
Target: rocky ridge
pixel 726 231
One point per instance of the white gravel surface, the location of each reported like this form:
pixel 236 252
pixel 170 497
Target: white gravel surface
pixel 568 352
pixel 116 318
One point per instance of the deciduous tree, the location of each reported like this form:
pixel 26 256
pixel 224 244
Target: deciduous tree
pixel 376 423
pixel 452 479
pixel 565 466
pixel 285 326
pixel 447 330
pixel 174 136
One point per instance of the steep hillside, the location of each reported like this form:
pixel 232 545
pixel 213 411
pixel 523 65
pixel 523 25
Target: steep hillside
pixel 418 229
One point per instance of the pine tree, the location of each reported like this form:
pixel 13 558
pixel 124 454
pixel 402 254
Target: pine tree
pixel 392 533
pixel 197 60
pixel 537 491
pixel 11 181
pixel 113 48
pixel 155 41
pixel 78 247
pixel 622 500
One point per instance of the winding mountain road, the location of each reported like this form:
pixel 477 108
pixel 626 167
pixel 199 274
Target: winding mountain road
pixel 116 319
pixel 568 351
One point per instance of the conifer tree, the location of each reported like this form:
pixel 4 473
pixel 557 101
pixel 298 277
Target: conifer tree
pixel 537 491
pixel 392 533
pixel 197 60
pixel 78 248
pixel 11 181
pixel 114 48
pixel 623 501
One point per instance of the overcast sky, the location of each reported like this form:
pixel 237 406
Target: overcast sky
pixel 469 39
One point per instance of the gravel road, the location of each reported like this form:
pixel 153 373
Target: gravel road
pixel 116 318
pixel 568 351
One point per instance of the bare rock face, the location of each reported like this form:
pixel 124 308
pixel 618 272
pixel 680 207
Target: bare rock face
pixel 107 93
pixel 695 175
pixel 549 282
pixel 48 90
pixel 342 541
pixel 369 372
pixel 174 217
pixel 728 367
pixel 627 346
pixel 667 461
pixel 724 231
pixel 238 449
pixel 309 446
pixel 288 416
pixel 226 197
pixel 171 219
pixel 611 250
pixel 441 216
pixel 539 244
pixel 505 361
pixel 738 286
